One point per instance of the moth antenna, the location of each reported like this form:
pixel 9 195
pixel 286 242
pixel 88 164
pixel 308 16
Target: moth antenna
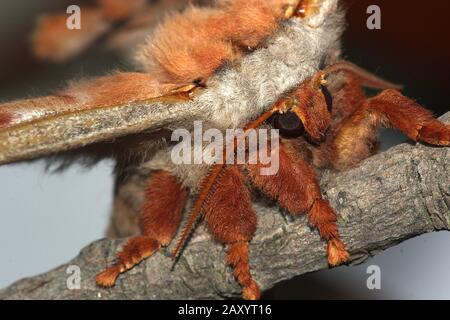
pixel 206 189
pixel 208 184
pixel 367 79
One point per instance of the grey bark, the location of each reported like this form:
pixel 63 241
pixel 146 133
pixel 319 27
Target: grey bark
pixel 393 196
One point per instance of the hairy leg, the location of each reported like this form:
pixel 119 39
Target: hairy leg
pixel 160 219
pixel 232 221
pixel 296 189
pixel 347 96
pixel 355 138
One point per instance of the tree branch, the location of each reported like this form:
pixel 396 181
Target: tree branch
pixel 390 197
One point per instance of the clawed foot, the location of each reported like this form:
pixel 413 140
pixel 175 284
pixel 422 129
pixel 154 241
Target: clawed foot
pixel 108 277
pixel 337 253
pixel 436 133
pixel 134 251
pixel 251 292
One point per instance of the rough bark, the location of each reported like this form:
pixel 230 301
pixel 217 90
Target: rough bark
pixel 390 197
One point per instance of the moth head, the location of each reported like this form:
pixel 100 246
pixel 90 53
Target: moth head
pixel 307 111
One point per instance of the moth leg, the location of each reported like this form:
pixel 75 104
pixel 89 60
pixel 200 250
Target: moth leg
pixel 160 218
pixel 354 140
pixel 52 40
pixel 295 187
pixel 117 10
pixel 346 96
pixel 231 219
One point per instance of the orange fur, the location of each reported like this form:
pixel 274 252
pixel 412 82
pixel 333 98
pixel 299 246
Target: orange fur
pixel 237 257
pixel 134 31
pixel 120 9
pixel 323 217
pixel 52 40
pixel 337 252
pixel 224 194
pixel 134 251
pixel 347 98
pixel 231 219
pixel 206 189
pixel 295 187
pixel 186 47
pixel 228 212
pixel 21 111
pixel 312 109
pixel 192 45
pixel 247 23
pixel 348 95
pixel 435 132
pixel 307 7
pixel 163 208
pixel 5 118
pixel 160 218
pixel 118 88
pixel 208 184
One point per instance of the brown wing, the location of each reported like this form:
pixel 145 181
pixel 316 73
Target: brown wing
pixel 99 110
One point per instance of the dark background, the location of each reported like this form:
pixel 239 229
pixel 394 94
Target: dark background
pixel 412 48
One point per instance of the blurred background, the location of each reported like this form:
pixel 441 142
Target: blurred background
pixel 47 218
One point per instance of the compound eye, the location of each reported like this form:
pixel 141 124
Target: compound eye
pixel 328 98
pixel 289 124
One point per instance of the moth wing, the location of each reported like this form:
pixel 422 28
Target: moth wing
pixel 49 133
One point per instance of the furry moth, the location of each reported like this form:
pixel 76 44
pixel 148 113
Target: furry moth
pixel 234 64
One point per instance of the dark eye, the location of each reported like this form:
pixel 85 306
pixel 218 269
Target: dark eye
pixel 328 98
pixel 289 124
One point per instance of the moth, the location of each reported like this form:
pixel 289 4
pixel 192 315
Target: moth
pixel 247 64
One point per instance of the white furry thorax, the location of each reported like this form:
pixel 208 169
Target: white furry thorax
pixel 240 93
